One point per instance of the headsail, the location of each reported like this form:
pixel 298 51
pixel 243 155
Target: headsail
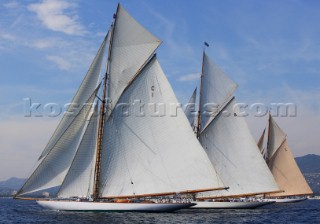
pixel 283 165
pixel 54 166
pixel 235 155
pixel 152 153
pixel 132 45
pixel 86 88
pixel 216 89
pixel 79 180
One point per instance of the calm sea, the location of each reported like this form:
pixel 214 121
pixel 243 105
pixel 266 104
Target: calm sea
pixel 16 211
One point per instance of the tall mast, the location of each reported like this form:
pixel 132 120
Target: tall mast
pixel 268 142
pixel 102 114
pixel 200 92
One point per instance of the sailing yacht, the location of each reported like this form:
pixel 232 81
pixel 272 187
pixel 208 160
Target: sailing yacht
pixel 105 155
pixel 283 166
pixel 226 138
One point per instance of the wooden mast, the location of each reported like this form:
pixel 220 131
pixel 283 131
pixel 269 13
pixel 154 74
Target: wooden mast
pixel 102 114
pixel 200 93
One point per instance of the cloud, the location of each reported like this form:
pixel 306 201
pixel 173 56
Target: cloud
pixel 61 62
pixel 189 77
pixel 11 5
pixel 53 15
pixel 7 36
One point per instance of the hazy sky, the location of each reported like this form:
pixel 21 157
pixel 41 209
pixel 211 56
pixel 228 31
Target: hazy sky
pixel 270 48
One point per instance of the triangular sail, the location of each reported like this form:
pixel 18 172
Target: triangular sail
pixel 216 89
pixel 190 110
pixel 283 165
pixel 154 152
pixel 276 137
pixel 54 166
pixel 79 180
pixel 86 88
pixel 235 155
pixel 132 45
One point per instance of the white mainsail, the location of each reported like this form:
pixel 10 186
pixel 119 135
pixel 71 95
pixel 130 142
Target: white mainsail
pixel 235 155
pixel 132 45
pixel 85 90
pixel 152 153
pixel 53 168
pixel 79 180
pixel 216 89
pixel 283 165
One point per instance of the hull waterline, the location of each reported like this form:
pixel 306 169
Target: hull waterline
pixel 113 207
pixel 230 205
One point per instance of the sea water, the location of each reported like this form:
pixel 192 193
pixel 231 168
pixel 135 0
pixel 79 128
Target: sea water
pixel 18 211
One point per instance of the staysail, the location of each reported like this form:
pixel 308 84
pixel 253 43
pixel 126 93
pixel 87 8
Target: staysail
pixel 283 165
pixel 140 155
pixel 86 88
pixel 235 155
pixel 54 166
pixel 216 89
pixel 79 179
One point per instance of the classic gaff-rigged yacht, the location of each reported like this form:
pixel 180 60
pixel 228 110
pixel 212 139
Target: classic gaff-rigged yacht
pixel 100 160
pixel 226 138
pixel 283 166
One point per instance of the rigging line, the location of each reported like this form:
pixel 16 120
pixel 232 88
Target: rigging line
pixel 141 140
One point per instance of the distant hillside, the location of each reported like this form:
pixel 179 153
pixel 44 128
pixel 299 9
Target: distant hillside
pixel 310 167
pixel 309 163
pixel 12 183
pixel 7 187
